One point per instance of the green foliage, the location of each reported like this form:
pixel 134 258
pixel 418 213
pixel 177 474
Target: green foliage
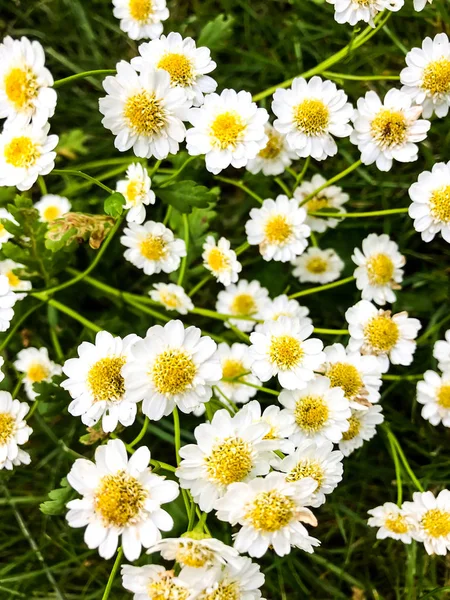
pixel 72 229
pixel 186 195
pixel 58 499
pixel 114 205
pixel 73 143
pixel 216 33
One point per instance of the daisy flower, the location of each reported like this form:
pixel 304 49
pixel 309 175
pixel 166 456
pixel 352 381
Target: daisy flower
pixel 379 268
pixel 331 197
pixel 434 393
pixel 275 157
pixel 7 300
pixel 143 111
pixel 172 366
pixel 427 77
pixel 141 18
pixel 318 461
pixel 120 497
pixel 352 11
pixel 282 348
pixel 7 268
pixel 320 412
pixel 245 299
pixel 318 266
pixel 430 207
pixel 186 64
pixel 282 306
pixel 172 297
pixel 376 331
pixel 432 517
pixel 25 84
pixel 228 450
pixel 281 425
pixel 236 362
pixel 14 432
pixel 137 193
pixel 278 228
pixel 228 129
pixel 388 131
pixel 154 582
pixel 152 247
pixel 309 114
pixel 441 352
pixel 362 428
pixel 36 366
pixel 5 235
pixel 96 383
pixel 392 522
pixel 221 260
pixel 52 207
pixel 420 4
pixel 25 153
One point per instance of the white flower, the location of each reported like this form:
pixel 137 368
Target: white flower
pixel 7 268
pixel 441 352
pixel 228 450
pixel 376 331
pixel 172 366
pixel 310 113
pixel 282 348
pixel 152 247
pixel 2 362
pixel 363 427
pixel 121 497
pixel 275 157
pixel 282 306
pixel 144 112
pixel 5 235
pixel 137 193
pixel 25 153
pixel 278 228
pixel 320 412
pixel 141 18
pixel 434 393
pixel 352 11
pixel 96 383
pixel 228 129
pixel 388 131
pixel 420 4
pixel 7 301
pixel 36 366
pixel 331 197
pixel 14 432
pixel 52 207
pixel 172 297
pixel 152 582
pixel 392 522
pixel 316 460
pixel 281 424
pixel 25 84
pixel 432 517
pixel 317 266
pixel 430 206
pixel 270 511
pixel 186 64
pixel 246 299
pixel 427 77
pixel 379 269
pixel 236 361
pixel 221 260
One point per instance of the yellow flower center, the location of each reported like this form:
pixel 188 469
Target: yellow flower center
pixel 273 147
pixel 436 522
pixel 140 10
pixel 272 434
pixel 311 413
pixel 193 555
pixel 164 588
pixel 444 396
pixel 51 213
pixel 307 468
pixel 224 591
pixel 2 229
pixel 144 114
pixel 119 499
pixel 169 300
pixel 317 265
pixel 270 511
pixel 317 203
pixel 396 524
pixel 362 2
pixel 7 427
pixel 347 377
pixel 227 130
pixel 21 87
pixel 311 117
pixel 440 203
pixel 353 430
pixel 217 260
pixel 436 77
pixel 37 372
pixel 243 304
pixel 381 333
pixel 277 230
pixel 230 461
pixel 134 191
pixel 179 68
pixel 21 152
pixel 14 281
pixel 173 372
pixel 154 247
pixel 105 379
pixel 389 128
pixel 380 269
pixel 285 351
pixel 232 368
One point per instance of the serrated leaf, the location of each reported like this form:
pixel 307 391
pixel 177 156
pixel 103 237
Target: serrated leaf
pixel 215 34
pixel 58 499
pixel 72 144
pixel 74 228
pixel 114 204
pixel 186 195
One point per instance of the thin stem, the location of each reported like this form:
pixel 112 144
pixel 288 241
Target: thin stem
pixel 331 331
pixel 314 241
pixel 65 80
pixel 322 288
pixel 155 168
pixel 162 465
pixel 113 574
pixel 42 185
pixel 242 248
pixel 331 181
pixel 241 186
pixel 398 474
pixel 83 176
pixel 186 241
pixel 167 215
pixel 141 434
pixel 199 285
pixel 402 456
pixel 283 186
pixel 17 386
pixel 70 312
pixel 177 172
pixel 303 171
pixel 356 215
pixel 177 434
pixel 331 75
pixel 14 329
pixel 257 387
pixel 221 316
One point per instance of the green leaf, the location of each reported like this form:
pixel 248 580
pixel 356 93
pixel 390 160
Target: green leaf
pixel 114 205
pixel 215 34
pixel 58 499
pixel 186 195
pixel 72 144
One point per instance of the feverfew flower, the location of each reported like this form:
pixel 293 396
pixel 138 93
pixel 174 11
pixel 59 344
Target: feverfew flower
pixel 427 77
pixel 228 129
pixel 143 111
pixel 434 393
pixel 282 306
pixel 172 297
pixel 14 432
pixel 392 522
pixel 36 366
pixel 152 247
pixel 137 193
pixel 141 18
pixel 25 84
pixel 5 235
pixel 379 269
pixel 275 157
pixel 278 228
pixel 432 517
pixel 186 64
pixel 52 207
pixel 388 131
pixel 7 301
pixel 310 113
pixel 7 268
pixel 352 11
pixel 236 362
pixel 317 266
pixel 362 428
pixel 246 299
pixel 441 352
pixel 281 425
pixel 221 260
pixel 120 497
pixel 96 383
pixel 420 4
pixel 151 582
pixel 282 348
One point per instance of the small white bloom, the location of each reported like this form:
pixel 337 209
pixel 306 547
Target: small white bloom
pixel 7 300
pixel 363 427
pixel 36 366
pixel 14 432
pixel 434 393
pixel 5 235
pixel 7 268
pixel 281 424
pixel 275 157
pixel 245 299
pixel 228 129
pixel 172 297
pixel 141 18
pixel 152 247
pixel 441 352
pixel 236 361
pixel 221 260
pixel 420 4
pixel 318 266
pixel 310 113
pixel 282 306
pixel 137 193
pixel 392 522
pixel 151 582
pixel 52 207
pixel 352 11
pixel 432 517
pixel 2 362
pixel 278 228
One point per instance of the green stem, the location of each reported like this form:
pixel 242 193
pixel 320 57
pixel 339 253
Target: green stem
pixel 69 312
pixel 283 186
pixel 186 241
pixel 17 386
pixel 60 82
pixel 199 285
pixel 83 176
pixel 331 331
pixel 155 168
pixel 322 288
pixel 331 75
pixel 32 410
pixel 242 248
pixel 14 329
pixel 42 185
pixel 177 434
pixel 113 574
pixel 221 316
pixel 398 474
pixel 141 434
pixel 302 173
pixel 356 215
pixel 402 456
pixel 177 172
pixel 241 186
pixel 257 387
pixel 331 181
